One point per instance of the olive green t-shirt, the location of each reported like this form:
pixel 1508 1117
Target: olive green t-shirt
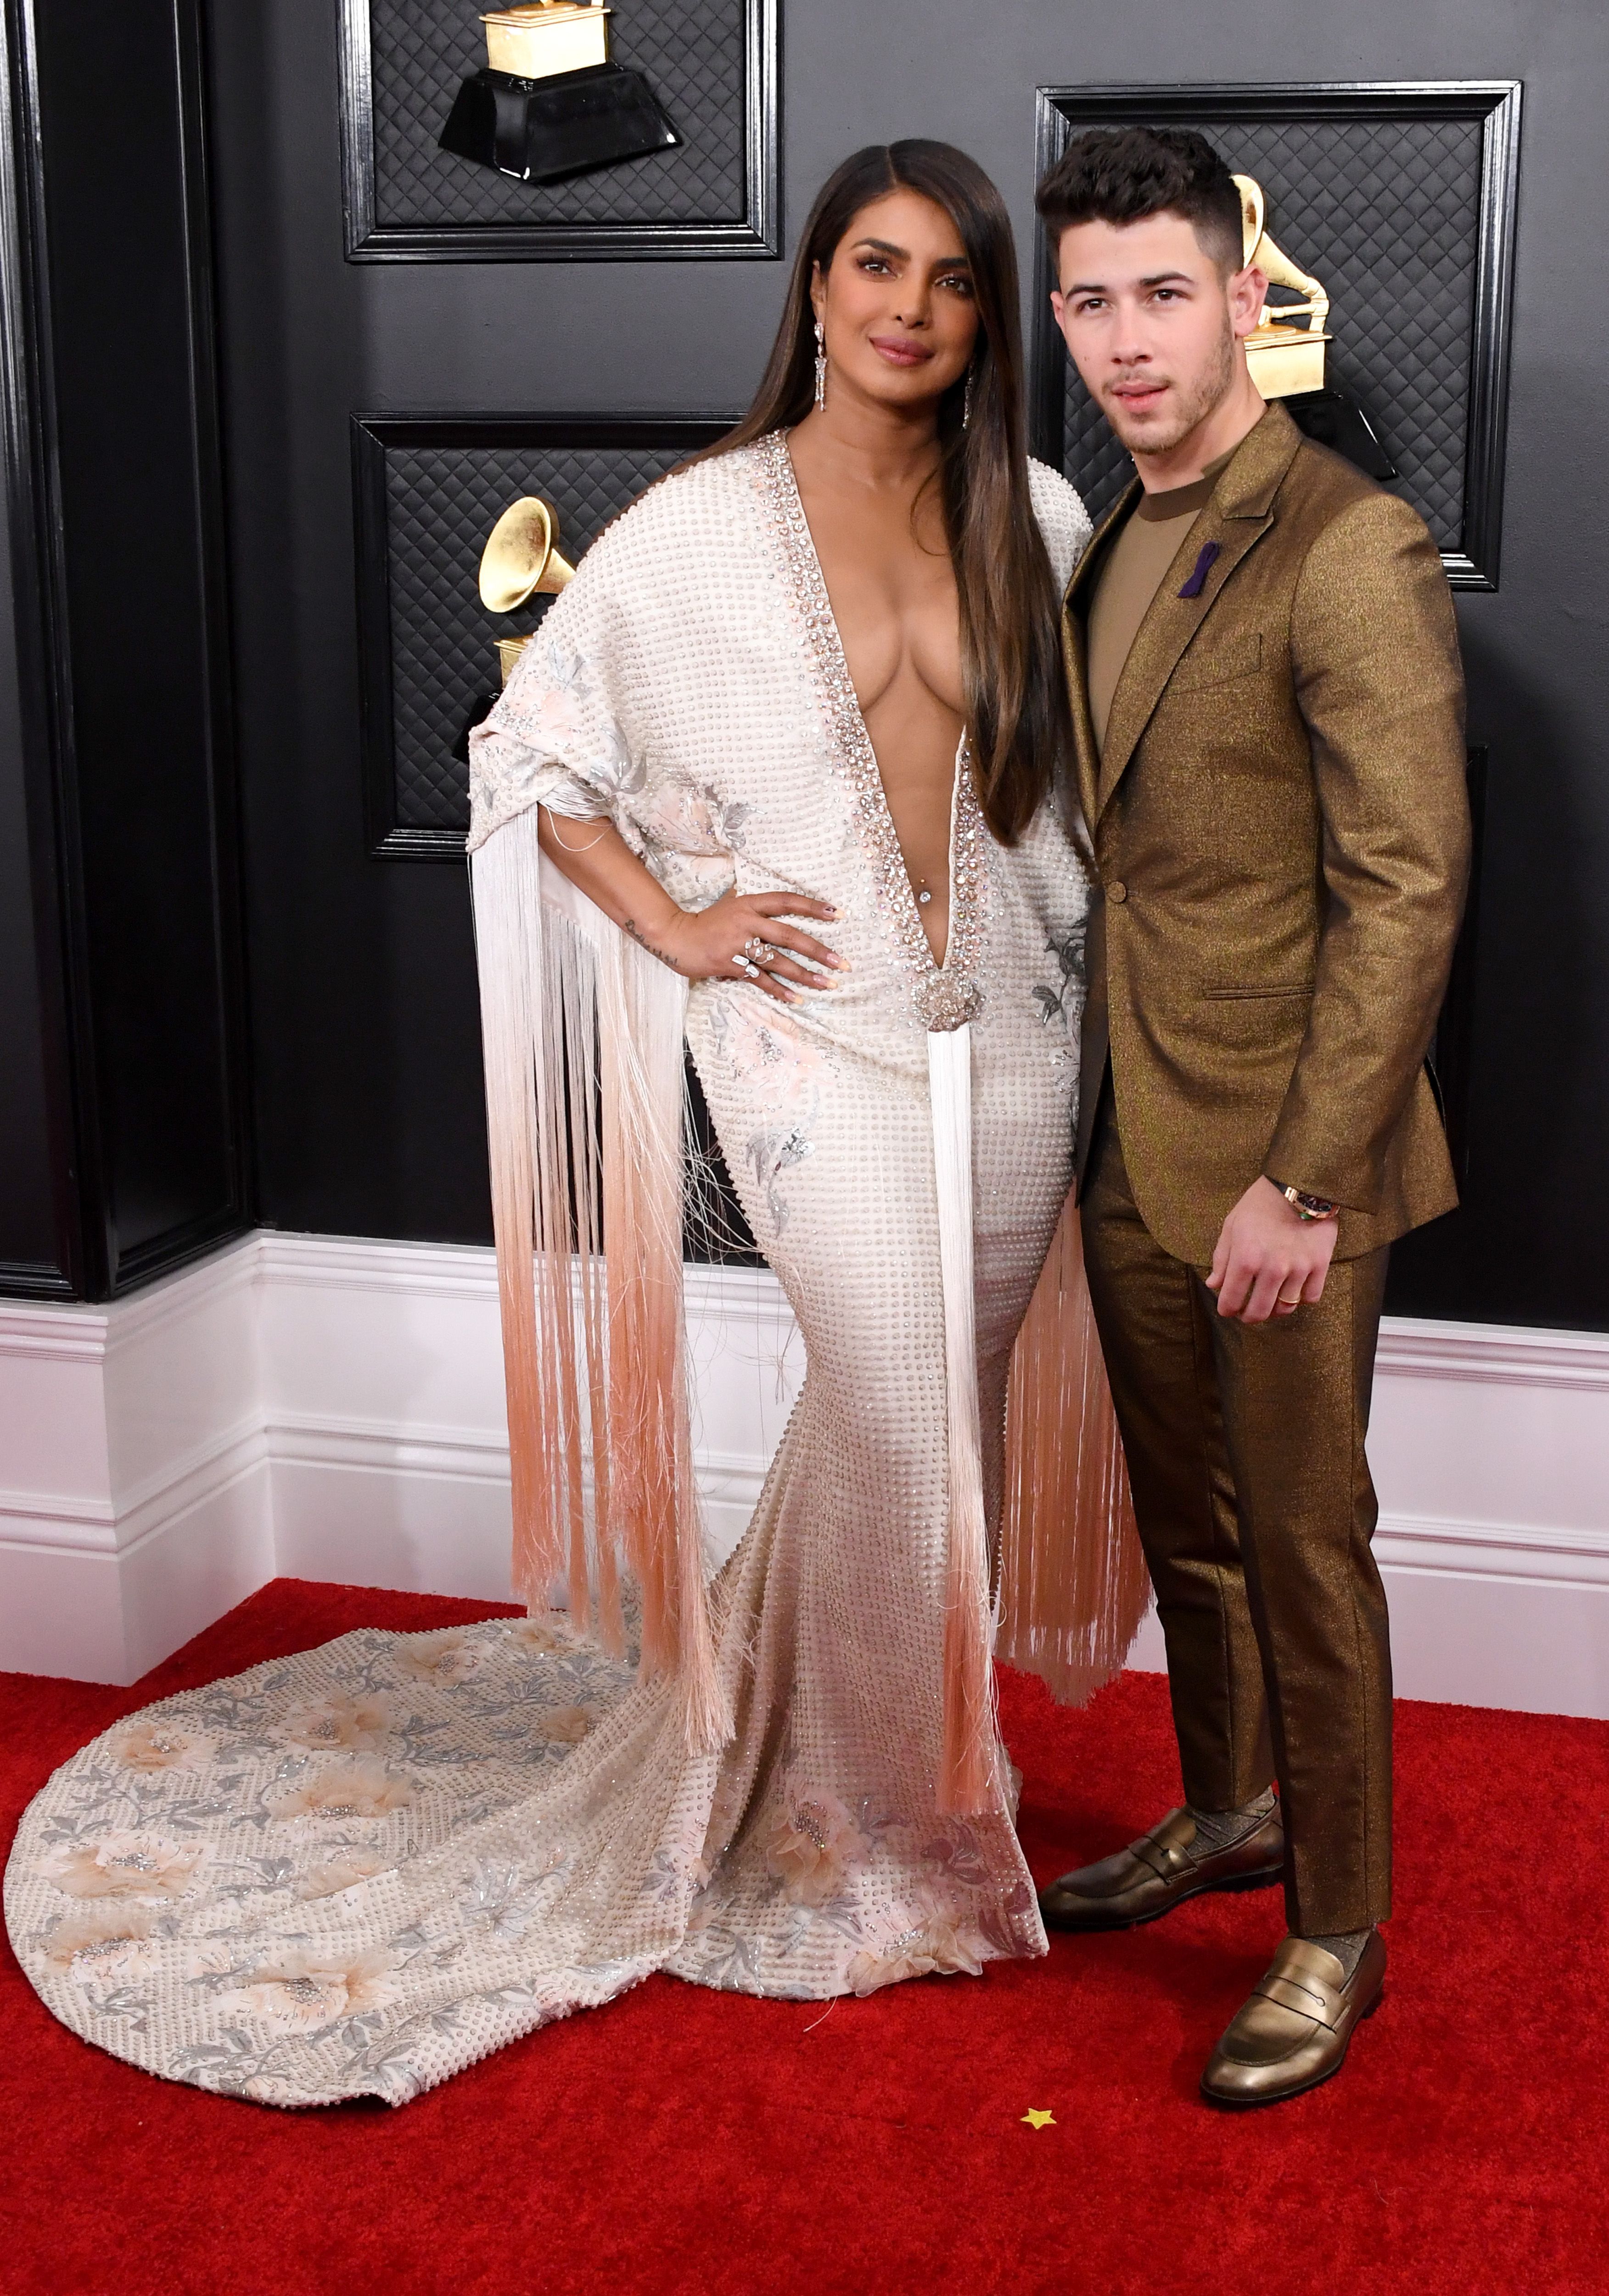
pixel 1137 558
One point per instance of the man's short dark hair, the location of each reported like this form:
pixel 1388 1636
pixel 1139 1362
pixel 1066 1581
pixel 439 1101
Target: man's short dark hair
pixel 1122 175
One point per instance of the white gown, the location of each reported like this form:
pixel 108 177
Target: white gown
pixel 355 1870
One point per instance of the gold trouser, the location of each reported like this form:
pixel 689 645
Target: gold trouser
pixel 1255 1509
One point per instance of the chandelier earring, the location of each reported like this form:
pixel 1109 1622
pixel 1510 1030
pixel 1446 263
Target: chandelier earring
pixel 966 403
pixel 820 368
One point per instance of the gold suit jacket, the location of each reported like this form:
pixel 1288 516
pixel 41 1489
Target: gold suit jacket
pixel 1281 837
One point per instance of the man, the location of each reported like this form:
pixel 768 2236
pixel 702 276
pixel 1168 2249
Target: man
pixel 1268 701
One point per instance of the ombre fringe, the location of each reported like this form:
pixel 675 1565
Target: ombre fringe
pixel 594 1358
pixel 1074 1584
pixel 574 1014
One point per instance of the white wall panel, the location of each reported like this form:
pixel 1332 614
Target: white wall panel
pixel 328 1407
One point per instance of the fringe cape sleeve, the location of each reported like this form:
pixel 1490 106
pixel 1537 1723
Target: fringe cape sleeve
pixel 582 1038
pixel 1073 1581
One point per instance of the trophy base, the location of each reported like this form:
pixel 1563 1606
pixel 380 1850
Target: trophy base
pixel 1329 418
pixel 539 130
pixel 482 707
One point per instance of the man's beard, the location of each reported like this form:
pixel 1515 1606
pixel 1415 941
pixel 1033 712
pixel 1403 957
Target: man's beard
pixel 1207 390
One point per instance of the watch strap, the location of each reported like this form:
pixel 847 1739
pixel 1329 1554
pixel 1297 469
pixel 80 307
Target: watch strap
pixel 1306 1207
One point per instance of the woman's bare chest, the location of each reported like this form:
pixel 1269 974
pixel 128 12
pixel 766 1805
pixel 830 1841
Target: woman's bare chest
pixel 894 599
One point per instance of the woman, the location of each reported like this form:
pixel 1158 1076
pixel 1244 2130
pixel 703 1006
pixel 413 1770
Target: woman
pixel 777 770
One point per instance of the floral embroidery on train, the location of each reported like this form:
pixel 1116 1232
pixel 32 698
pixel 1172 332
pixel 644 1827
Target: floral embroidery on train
pixel 113 1946
pixel 360 1723
pixel 444 1660
pixel 812 1849
pixel 502 1901
pixel 365 1787
pixel 153 1746
pixel 124 1865
pixel 304 1992
pixel 346 1867
pixel 927 1936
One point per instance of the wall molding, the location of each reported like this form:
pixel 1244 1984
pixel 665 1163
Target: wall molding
pixel 331 1407
pixel 1505 1355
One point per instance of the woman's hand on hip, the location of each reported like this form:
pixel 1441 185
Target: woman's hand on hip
pixel 741 937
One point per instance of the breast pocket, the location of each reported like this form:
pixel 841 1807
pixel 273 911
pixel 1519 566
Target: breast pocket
pixel 1209 661
pixel 1219 989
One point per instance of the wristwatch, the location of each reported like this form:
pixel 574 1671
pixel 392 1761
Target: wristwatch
pixel 1305 1207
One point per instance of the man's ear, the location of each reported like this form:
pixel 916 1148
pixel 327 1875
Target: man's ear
pixel 1059 306
pixel 1247 293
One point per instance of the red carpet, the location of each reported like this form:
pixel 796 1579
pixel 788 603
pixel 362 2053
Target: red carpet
pixel 680 2140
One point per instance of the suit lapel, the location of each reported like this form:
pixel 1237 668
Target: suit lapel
pixel 1236 519
pixel 1076 647
pixel 1170 622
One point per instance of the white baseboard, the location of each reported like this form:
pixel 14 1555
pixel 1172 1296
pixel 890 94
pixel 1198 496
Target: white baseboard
pixel 329 1407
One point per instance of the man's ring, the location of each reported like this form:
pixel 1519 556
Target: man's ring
pixel 1293 1299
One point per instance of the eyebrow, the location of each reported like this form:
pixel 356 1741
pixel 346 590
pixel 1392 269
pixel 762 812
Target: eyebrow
pixel 1099 287
pixel 887 247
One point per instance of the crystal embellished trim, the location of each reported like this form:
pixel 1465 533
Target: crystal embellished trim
pixel 948 995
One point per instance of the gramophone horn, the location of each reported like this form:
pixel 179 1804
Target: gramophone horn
pixel 519 559
pixel 1251 216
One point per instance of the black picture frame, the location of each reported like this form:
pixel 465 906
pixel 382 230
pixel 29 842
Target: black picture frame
pixel 66 568
pixel 1494 105
pixel 374 436
pixel 758 234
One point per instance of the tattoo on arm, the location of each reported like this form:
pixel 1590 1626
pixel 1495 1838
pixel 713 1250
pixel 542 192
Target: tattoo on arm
pixel 643 941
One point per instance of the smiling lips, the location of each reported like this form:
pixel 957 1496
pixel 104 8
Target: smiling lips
pixel 901 351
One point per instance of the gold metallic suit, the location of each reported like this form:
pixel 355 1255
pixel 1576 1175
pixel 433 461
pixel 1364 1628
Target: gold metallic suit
pixel 1281 835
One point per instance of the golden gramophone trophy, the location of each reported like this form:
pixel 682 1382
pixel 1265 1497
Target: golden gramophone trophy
pixel 551 101
pixel 1285 351
pixel 521 559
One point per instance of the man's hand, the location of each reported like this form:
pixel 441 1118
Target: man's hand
pixel 1269 1259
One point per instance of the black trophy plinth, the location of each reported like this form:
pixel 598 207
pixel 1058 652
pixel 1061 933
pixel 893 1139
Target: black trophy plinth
pixel 1331 419
pixel 540 129
pixel 482 709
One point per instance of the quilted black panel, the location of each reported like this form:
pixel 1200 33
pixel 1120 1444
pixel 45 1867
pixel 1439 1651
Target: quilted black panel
pixel 694 58
pixel 441 503
pixel 1386 213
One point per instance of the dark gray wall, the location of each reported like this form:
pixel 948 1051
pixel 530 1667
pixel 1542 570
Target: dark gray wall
pixel 119 951
pixel 30 1243
pixel 368 1116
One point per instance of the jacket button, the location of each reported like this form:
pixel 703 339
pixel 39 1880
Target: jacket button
pixel 1116 890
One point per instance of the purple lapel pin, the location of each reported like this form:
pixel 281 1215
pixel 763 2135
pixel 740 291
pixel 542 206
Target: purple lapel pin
pixel 1197 584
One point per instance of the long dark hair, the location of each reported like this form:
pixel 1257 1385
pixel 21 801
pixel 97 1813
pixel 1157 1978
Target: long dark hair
pixel 1011 670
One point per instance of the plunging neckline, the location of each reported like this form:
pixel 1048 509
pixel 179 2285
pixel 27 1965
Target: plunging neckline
pixel 836 638
pixel 946 991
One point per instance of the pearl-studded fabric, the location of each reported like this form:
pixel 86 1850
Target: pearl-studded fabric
pixel 356 1871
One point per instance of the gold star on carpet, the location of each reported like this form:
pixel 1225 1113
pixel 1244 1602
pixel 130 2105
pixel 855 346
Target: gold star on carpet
pixel 1040 2119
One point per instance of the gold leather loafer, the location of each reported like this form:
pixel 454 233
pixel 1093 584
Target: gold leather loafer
pixel 1295 2029
pixel 1159 1872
